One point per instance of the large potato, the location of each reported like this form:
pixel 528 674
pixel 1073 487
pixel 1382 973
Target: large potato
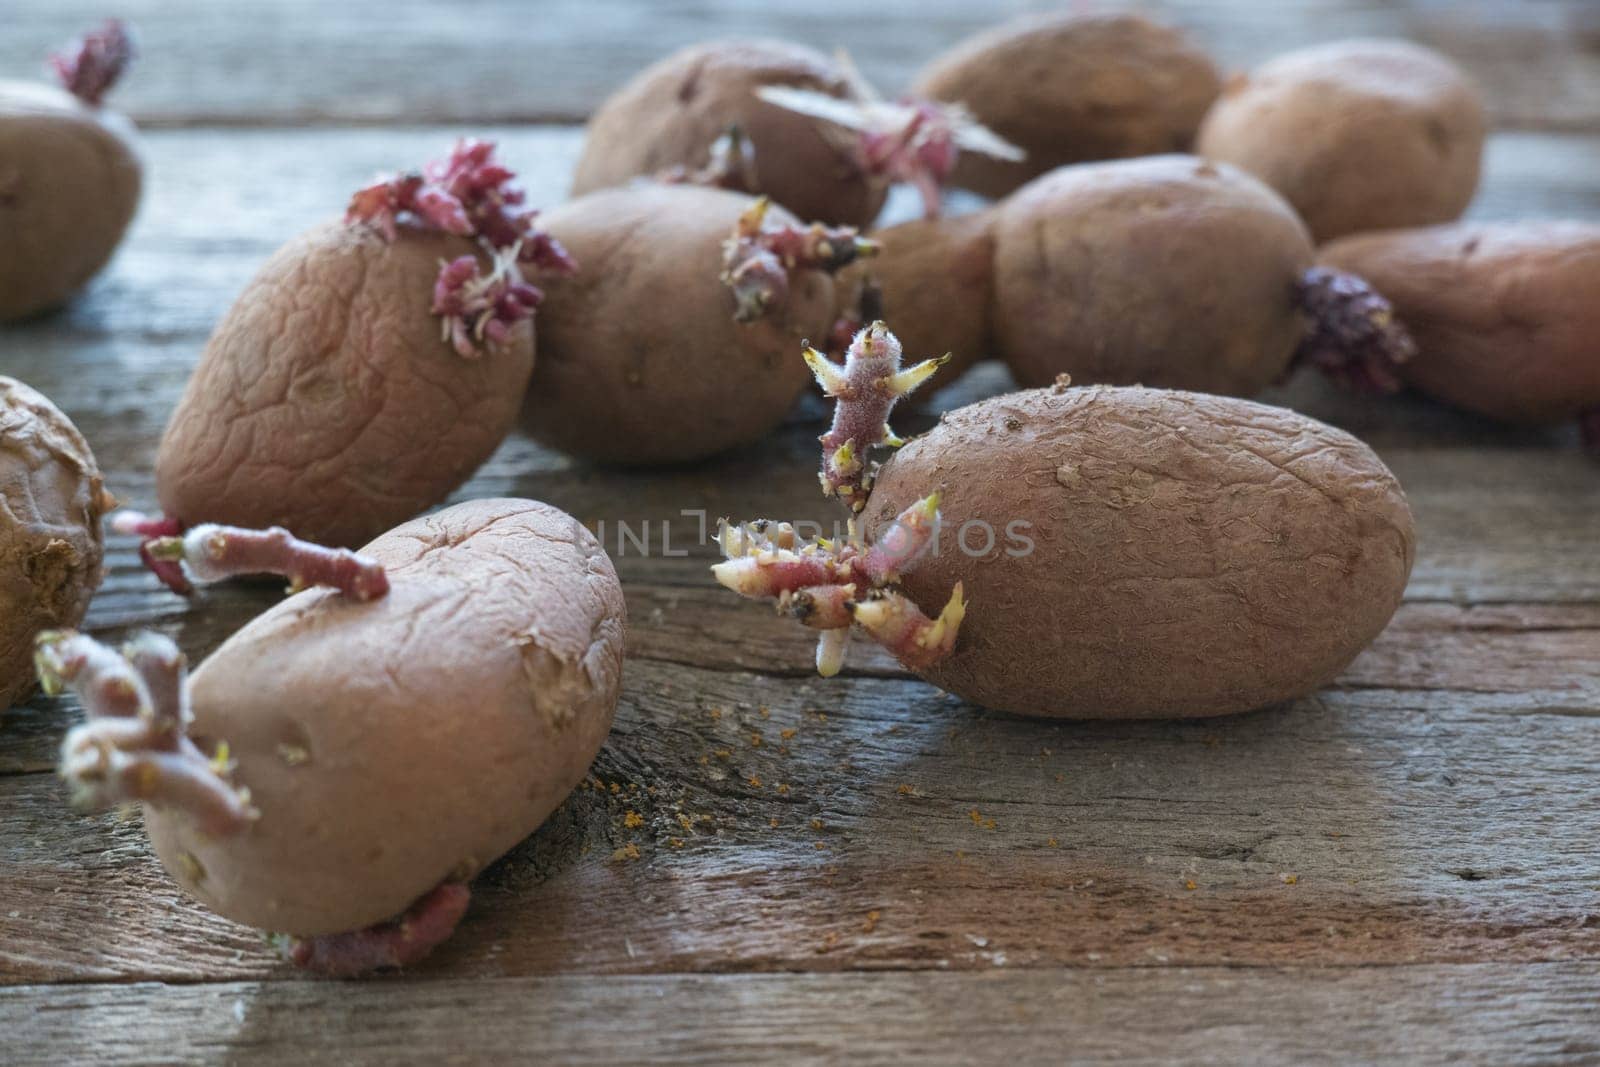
pixel 935 278
pixel 671 113
pixel 1358 135
pixel 640 359
pixel 1167 271
pixel 52 499
pixel 326 400
pixel 69 185
pixel 1506 316
pixel 1138 553
pixel 1072 87
pixel 394 744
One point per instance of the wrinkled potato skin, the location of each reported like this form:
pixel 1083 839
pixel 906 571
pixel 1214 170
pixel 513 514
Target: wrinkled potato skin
pixel 1506 316
pixel 440 724
pixel 1357 135
pixel 1194 555
pixel 1073 87
pixel 937 281
pixel 69 185
pixel 1166 271
pixel 671 113
pixel 52 499
pixel 640 361
pixel 326 401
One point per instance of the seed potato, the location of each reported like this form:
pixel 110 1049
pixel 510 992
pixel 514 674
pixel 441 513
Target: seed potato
pixel 1190 555
pixel 394 744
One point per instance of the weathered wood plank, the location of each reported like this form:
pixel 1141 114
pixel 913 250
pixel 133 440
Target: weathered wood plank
pixel 1366 825
pixel 299 61
pixel 1418 1015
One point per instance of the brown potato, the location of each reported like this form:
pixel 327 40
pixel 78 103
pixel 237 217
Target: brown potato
pixel 52 499
pixel 326 400
pixel 1166 271
pixel 1072 87
pixel 670 114
pixel 394 744
pixel 640 359
pixel 69 185
pixel 935 278
pixel 1357 135
pixel 1505 315
pixel 1139 553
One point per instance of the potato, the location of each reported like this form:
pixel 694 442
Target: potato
pixel 1166 271
pixel 69 185
pixel 326 400
pixel 641 361
pixel 1505 315
pixel 394 744
pixel 671 113
pixel 1072 87
pixel 1138 553
pixel 52 499
pixel 1358 135
pixel 935 278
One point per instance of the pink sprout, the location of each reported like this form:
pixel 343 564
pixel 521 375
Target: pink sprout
pixel 478 310
pixel 92 64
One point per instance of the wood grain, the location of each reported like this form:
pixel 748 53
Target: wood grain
pixel 1424 1016
pixel 303 61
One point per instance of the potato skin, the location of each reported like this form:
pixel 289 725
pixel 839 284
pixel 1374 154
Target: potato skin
pixel 640 361
pixel 1167 271
pixel 52 499
pixel 1193 555
pixel 1073 87
pixel 70 179
pixel 326 401
pixel 1505 315
pixel 937 282
pixel 394 744
pixel 670 114
pixel 1357 135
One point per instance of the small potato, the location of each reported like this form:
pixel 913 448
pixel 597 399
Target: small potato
pixel 395 744
pixel 326 400
pixel 640 359
pixel 1072 87
pixel 671 113
pixel 1166 271
pixel 1138 553
pixel 52 499
pixel 1506 315
pixel 935 282
pixel 1357 135
pixel 69 185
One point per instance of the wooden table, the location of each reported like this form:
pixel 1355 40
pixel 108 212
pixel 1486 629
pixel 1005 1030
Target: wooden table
pixel 1404 867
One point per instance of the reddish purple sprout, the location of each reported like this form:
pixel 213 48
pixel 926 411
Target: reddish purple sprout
pixel 148 529
pixel 1353 336
pixel 478 310
pixel 922 151
pixel 213 553
pixel 92 64
pixel 384 202
pixel 398 943
pixel 757 260
pixel 867 388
